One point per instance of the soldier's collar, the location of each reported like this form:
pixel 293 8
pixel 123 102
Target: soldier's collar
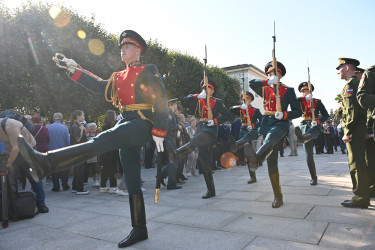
pixel 136 63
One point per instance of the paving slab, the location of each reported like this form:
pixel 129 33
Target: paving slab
pixel 339 214
pixel 239 217
pixel 349 236
pixel 194 238
pixel 279 228
pixel 260 243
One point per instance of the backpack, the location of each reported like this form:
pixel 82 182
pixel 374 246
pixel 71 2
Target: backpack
pixel 9 113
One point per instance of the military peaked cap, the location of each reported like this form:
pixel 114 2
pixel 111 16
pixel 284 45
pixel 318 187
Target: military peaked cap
pixel 172 100
pixel 359 70
pixel 210 83
pixel 130 36
pixel 305 85
pixel 268 68
pixel 248 94
pixel 343 61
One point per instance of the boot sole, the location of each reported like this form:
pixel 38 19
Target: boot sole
pixel 251 157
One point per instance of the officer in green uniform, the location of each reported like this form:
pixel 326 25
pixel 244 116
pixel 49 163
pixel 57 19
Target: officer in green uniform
pixel 250 118
pixel 354 121
pixel 207 131
pixel 137 91
pixel 311 126
pixel 370 149
pixel 275 123
pixel 366 98
pixel 366 90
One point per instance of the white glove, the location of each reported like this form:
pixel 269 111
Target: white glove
pixel 279 115
pixel 70 62
pixel 159 143
pixel 243 106
pixel 210 123
pixel 249 128
pixel 273 80
pixel 202 95
pixel 308 97
pixel 314 123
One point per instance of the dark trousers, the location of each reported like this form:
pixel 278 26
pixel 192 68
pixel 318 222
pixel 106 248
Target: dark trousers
pixel 274 136
pixel 20 165
pixel 149 154
pixel 129 137
pixel 370 161
pixel 108 172
pixel 62 175
pixel 357 165
pixel 79 177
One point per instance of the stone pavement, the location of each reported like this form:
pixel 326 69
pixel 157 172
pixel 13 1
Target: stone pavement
pixel 239 217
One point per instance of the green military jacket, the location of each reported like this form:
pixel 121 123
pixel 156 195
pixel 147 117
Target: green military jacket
pixel 352 113
pixel 366 90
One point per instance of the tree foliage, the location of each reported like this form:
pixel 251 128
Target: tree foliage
pixel 30 81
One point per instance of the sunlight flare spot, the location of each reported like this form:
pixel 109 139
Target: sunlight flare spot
pixel 81 34
pixel 96 47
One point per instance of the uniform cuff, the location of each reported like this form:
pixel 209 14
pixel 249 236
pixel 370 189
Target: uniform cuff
pixel 195 97
pixel 216 122
pixel 158 132
pixel 286 115
pixel 77 74
pixel 264 81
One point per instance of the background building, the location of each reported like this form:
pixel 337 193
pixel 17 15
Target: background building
pixel 245 73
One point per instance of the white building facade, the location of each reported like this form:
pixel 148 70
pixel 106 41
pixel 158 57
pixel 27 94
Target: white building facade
pixel 245 73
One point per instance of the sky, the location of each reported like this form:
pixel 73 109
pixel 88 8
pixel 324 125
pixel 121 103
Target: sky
pixel 240 32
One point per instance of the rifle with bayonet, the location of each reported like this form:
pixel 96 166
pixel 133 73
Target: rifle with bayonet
pixel 205 77
pixel 248 122
pixel 312 109
pixel 274 66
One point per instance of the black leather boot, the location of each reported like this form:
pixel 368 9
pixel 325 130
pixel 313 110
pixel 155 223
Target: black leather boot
pixel 312 169
pixel 42 164
pixel 210 185
pixel 302 137
pixel 239 144
pixel 138 216
pixel 256 159
pixel 275 182
pixel 253 177
pixel 174 155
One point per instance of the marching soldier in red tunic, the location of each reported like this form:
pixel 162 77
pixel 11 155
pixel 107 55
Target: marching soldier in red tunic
pixel 310 126
pixel 207 131
pixel 250 118
pixel 275 123
pixel 139 93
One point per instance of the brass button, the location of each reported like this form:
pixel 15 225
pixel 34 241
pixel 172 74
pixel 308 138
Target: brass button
pixel 131 97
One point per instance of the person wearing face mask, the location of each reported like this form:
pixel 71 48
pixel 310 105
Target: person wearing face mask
pixel 250 118
pixel 138 92
pixel 311 125
pixel 208 130
pixel 275 123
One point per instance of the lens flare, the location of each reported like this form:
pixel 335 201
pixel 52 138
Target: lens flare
pixel 54 11
pixel 33 50
pixel 228 160
pixel 81 34
pixel 96 47
pixel 61 18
